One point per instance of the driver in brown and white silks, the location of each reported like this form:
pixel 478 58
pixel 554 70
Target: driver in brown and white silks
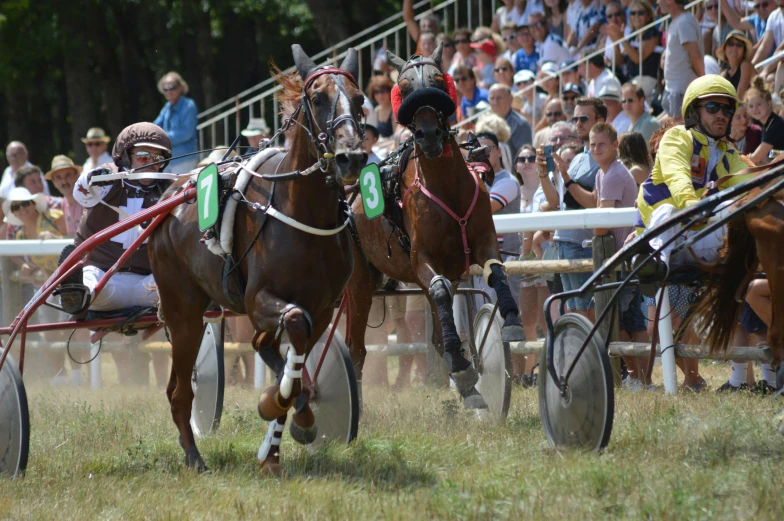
pixel 141 147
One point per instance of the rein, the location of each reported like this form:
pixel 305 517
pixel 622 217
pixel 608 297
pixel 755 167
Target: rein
pixel 462 221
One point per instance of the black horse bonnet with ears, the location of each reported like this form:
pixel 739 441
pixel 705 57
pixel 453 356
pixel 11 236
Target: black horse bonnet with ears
pixel 423 93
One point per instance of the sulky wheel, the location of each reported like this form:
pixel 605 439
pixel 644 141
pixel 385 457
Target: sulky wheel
pixel 14 421
pixel 581 416
pixel 333 396
pixel 207 381
pixel 494 363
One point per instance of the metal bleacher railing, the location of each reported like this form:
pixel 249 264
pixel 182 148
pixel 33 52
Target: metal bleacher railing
pixel 222 122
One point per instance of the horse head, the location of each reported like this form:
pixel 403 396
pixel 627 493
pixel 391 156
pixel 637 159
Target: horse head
pixel 425 99
pixel 332 103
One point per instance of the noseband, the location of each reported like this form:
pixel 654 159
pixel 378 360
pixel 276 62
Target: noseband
pixel 325 139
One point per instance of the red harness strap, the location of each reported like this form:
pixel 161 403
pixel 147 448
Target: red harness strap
pixel 461 221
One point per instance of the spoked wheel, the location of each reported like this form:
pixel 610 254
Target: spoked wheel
pixel 208 381
pixel 581 416
pixel 14 421
pixel 333 396
pixel 494 363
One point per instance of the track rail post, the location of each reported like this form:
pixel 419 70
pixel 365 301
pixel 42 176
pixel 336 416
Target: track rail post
pixel 604 248
pixel 11 291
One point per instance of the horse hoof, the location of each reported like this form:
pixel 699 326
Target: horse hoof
pixel 194 461
pixel 465 381
pixel 270 468
pixel 303 427
pixel 474 401
pixel 270 407
pixel 512 333
pixel 303 435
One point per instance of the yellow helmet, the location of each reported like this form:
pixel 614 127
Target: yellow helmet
pixel 702 87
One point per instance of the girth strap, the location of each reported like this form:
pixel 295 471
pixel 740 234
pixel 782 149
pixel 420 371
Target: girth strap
pixel 462 221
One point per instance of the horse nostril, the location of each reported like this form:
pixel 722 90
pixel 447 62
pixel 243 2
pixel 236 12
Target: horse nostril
pixel 351 160
pixel 419 135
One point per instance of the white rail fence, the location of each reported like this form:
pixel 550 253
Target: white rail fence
pixel 579 219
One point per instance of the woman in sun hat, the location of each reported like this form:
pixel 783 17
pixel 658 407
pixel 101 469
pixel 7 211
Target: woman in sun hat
pixel 35 221
pixel 97 143
pixel 736 51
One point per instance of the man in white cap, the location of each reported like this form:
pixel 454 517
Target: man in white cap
pixel 96 142
pixel 256 130
pixel 611 96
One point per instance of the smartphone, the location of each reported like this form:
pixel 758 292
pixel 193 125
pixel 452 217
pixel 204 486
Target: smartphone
pixel 548 155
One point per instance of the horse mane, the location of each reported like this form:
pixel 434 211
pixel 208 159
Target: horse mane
pixel 291 93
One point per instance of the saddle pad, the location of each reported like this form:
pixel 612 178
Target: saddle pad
pixel 224 245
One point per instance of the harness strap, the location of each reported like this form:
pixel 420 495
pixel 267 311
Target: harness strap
pixel 462 221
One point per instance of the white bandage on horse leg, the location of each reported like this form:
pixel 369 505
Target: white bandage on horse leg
pixel 290 373
pixel 486 270
pixel 271 440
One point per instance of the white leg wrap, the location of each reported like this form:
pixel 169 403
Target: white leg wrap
pixel 290 373
pixel 271 440
pixel 486 272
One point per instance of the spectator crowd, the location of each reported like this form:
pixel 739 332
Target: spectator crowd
pixel 570 96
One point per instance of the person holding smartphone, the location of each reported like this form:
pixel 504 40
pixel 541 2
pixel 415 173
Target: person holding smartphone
pixel 561 194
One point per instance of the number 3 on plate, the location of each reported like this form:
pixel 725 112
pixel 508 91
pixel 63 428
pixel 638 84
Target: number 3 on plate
pixel 370 184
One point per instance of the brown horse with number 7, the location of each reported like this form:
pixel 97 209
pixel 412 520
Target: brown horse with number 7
pixel 446 216
pixel 294 267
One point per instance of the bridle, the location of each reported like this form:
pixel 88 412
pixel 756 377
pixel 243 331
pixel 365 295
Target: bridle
pixel 324 140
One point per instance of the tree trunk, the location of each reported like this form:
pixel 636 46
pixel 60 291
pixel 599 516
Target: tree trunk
pixel 331 20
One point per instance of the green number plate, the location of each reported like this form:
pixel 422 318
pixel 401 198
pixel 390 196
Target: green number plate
pixel 370 184
pixel 207 196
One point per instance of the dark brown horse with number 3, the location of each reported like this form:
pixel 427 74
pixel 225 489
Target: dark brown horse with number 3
pixel 446 216
pixel 293 271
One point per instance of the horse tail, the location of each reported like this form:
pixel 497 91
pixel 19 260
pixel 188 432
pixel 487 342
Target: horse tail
pixel 718 312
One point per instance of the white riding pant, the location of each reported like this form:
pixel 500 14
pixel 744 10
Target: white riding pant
pixel 707 248
pixel 123 290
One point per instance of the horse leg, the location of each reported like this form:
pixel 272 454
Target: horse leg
pixel 274 314
pixel 495 277
pixel 462 371
pixel 364 282
pixel 186 330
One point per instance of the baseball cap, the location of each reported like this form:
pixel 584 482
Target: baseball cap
pixel 487 46
pixel 524 75
pixel 610 91
pixel 573 87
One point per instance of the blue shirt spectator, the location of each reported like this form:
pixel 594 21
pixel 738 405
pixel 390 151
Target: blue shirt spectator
pixel 478 95
pixel 523 60
pixel 179 118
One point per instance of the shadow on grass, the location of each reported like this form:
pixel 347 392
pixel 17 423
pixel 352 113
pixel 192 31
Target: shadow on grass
pixel 384 464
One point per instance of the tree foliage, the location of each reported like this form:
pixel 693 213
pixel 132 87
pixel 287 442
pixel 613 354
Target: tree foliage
pixel 67 66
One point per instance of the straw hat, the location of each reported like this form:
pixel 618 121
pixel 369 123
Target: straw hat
pixel 96 134
pixel 256 127
pixel 21 193
pixel 60 163
pixel 738 35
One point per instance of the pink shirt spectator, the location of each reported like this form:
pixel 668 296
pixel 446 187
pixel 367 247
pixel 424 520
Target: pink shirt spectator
pixel 73 213
pixel 617 184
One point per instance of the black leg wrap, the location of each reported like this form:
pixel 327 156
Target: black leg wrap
pixel 439 290
pixel 500 284
pixel 512 329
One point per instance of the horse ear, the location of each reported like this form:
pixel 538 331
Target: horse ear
pixel 394 60
pixel 350 63
pixel 302 61
pixel 436 56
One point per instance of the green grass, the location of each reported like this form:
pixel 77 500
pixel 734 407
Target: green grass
pixel 113 454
